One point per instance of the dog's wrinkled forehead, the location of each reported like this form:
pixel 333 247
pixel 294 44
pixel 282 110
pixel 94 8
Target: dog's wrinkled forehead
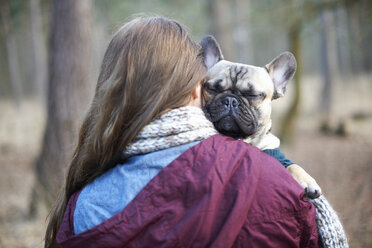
pixel 240 76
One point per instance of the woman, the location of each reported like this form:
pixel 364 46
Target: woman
pixel 150 171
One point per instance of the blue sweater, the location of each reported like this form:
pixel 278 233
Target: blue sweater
pixel 276 153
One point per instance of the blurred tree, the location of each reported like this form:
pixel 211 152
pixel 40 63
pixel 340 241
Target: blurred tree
pixel 343 42
pixel 356 33
pixel 68 95
pixel 365 22
pixel 294 36
pixel 222 28
pixel 328 62
pixel 39 53
pixel 304 11
pixel 11 50
pixel 242 31
pixel 229 23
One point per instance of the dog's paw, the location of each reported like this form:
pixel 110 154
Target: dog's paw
pixel 312 193
pixel 312 189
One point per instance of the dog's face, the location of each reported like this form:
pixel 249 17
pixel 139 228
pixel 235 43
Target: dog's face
pixel 237 97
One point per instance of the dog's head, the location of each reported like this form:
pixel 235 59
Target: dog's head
pixel 237 97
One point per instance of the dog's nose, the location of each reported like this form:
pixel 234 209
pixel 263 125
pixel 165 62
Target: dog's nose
pixel 229 101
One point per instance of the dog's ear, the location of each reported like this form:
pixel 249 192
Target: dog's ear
pixel 211 51
pixel 281 70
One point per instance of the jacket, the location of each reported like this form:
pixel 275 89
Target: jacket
pixel 221 192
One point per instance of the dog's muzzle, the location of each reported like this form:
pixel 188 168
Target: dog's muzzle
pixel 230 102
pixel 232 116
pixel 227 123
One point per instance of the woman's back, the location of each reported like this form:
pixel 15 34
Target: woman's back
pixel 219 193
pixel 112 191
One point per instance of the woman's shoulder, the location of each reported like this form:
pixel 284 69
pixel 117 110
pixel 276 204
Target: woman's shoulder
pixel 224 153
pixel 112 191
pixel 227 148
pixel 222 142
pixel 222 146
pixel 98 201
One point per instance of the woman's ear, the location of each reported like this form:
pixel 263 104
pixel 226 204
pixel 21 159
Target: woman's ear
pixel 196 95
pixel 197 90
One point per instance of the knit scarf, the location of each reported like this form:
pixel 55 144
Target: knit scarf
pixel 187 124
pixel 176 127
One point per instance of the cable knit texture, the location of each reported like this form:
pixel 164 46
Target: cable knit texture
pixel 187 124
pixel 176 127
pixel 330 230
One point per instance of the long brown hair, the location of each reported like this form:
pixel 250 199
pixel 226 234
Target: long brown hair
pixel 150 66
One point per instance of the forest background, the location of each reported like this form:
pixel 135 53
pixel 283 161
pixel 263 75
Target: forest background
pixel 50 54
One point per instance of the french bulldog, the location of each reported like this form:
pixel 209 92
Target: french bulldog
pixel 237 99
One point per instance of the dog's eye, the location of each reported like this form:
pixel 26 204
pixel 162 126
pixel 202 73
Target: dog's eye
pixel 253 95
pixel 209 87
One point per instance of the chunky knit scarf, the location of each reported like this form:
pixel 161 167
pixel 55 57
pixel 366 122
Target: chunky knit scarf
pixel 187 124
pixel 175 127
pixel 330 230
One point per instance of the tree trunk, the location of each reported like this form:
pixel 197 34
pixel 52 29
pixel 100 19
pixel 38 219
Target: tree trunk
pixel 297 10
pixel 242 32
pixel 329 68
pixel 222 28
pixel 11 50
pixel 343 42
pixel 288 123
pixel 39 53
pixel 68 95
pixel 365 20
pixel 356 38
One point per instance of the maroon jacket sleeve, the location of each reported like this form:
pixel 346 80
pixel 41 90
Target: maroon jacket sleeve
pixel 219 193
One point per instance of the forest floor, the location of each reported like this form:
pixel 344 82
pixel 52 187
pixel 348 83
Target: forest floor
pixel 342 165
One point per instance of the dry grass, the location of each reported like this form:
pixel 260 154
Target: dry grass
pixel 20 134
pixel 341 165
